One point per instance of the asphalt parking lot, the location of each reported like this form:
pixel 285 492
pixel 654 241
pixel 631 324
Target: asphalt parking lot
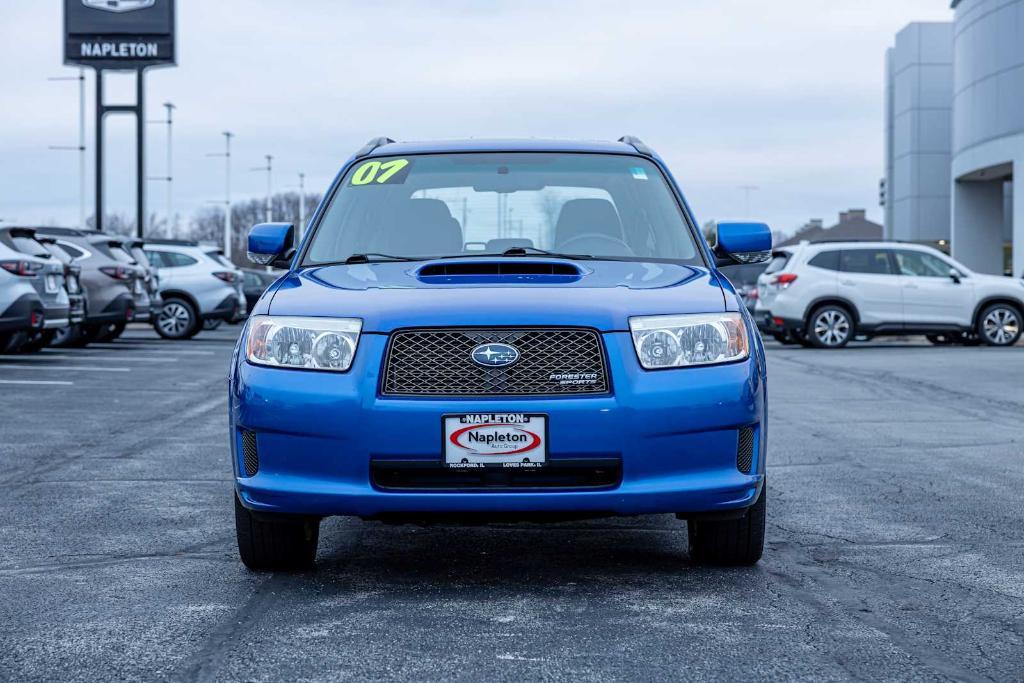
pixel 895 542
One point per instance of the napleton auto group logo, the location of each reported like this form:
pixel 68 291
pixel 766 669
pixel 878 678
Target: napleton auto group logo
pixel 118 5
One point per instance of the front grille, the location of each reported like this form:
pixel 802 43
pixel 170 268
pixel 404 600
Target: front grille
pixel 421 475
pixel 439 362
pixel 250 454
pixel 745 450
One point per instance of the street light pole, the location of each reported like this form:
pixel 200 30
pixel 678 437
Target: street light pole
pixel 169 178
pixel 227 190
pixel 170 163
pixel 81 148
pixel 270 206
pixel 227 193
pixel 269 169
pixel 81 140
pixel 302 204
pixel 747 189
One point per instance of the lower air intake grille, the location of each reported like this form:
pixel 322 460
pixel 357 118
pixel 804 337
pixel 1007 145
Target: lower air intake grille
pixel 250 456
pixel 425 475
pixel 745 450
pixel 440 362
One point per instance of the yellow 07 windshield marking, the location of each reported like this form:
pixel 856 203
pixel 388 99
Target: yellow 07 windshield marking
pixel 368 172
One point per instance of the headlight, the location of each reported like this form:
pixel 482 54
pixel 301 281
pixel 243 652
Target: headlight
pixel 677 341
pixel 311 343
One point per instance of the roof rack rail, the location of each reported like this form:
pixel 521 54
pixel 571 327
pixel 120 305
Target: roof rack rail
pixel 169 242
pixel 373 144
pixel 637 144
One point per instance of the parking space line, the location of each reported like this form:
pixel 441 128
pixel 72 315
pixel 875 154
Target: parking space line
pixel 65 368
pixel 97 350
pixel 35 381
pixel 120 358
pixel 176 344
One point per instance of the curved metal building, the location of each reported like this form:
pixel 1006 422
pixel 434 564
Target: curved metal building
pixel 988 135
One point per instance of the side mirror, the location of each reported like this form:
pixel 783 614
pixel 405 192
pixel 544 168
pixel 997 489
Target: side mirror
pixel 742 243
pixel 272 244
pixel 954 275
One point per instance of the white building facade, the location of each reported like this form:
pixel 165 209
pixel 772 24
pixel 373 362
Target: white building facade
pixel 955 135
pixel 919 105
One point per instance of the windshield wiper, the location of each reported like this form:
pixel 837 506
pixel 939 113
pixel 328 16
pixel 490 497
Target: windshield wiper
pixel 530 251
pixel 376 257
pixel 372 256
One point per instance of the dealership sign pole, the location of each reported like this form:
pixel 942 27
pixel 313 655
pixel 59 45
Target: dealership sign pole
pixel 120 35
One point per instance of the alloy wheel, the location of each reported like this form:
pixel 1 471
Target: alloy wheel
pixel 832 327
pixel 1001 326
pixel 175 319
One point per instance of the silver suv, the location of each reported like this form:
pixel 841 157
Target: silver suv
pixel 112 295
pixel 194 287
pixel 34 290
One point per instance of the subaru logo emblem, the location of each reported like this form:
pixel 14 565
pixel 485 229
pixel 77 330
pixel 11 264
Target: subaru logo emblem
pixel 495 355
pixel 118 5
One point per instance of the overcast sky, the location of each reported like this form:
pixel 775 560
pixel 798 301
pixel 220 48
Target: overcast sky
pixel 785 95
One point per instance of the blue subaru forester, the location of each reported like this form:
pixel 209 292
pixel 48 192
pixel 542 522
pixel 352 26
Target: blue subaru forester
pixel 494 329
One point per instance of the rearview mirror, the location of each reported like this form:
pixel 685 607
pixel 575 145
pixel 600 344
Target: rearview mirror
pixel 272 244
pixel 954 275
pixel 742 243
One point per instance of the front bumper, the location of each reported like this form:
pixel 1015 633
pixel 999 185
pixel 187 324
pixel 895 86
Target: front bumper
pixel 674 432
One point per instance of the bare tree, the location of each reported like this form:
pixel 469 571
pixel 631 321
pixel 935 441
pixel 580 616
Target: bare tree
pixel 207 224
pixel 550 205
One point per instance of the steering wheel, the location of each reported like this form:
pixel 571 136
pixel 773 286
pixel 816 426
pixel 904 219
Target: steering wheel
pixel 620 248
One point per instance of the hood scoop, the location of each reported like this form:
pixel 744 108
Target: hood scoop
pixel 499 271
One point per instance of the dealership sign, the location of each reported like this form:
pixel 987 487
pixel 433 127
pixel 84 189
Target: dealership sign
pixel 119 34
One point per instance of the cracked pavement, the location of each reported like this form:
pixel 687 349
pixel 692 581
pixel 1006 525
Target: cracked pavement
pixel 895 547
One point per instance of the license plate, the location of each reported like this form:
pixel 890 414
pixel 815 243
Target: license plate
pixel 509 440
pixel 51 283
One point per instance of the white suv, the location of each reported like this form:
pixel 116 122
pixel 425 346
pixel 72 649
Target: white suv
pixel 195 287
pixel 825 293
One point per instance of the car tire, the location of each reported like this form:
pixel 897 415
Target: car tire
pixel 999 325
pixel 830 327
pixel 10 343
pixel 108 332
pixel 177 319
pixel 785 338
pixel 40 340
pixel 730 542
pixel 73 336
pixel 275 542
pixel 945 339
pixel 212 324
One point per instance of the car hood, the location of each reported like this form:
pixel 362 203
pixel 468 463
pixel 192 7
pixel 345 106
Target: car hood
pixel 387 296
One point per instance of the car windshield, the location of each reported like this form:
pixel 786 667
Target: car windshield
pixel 442 205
